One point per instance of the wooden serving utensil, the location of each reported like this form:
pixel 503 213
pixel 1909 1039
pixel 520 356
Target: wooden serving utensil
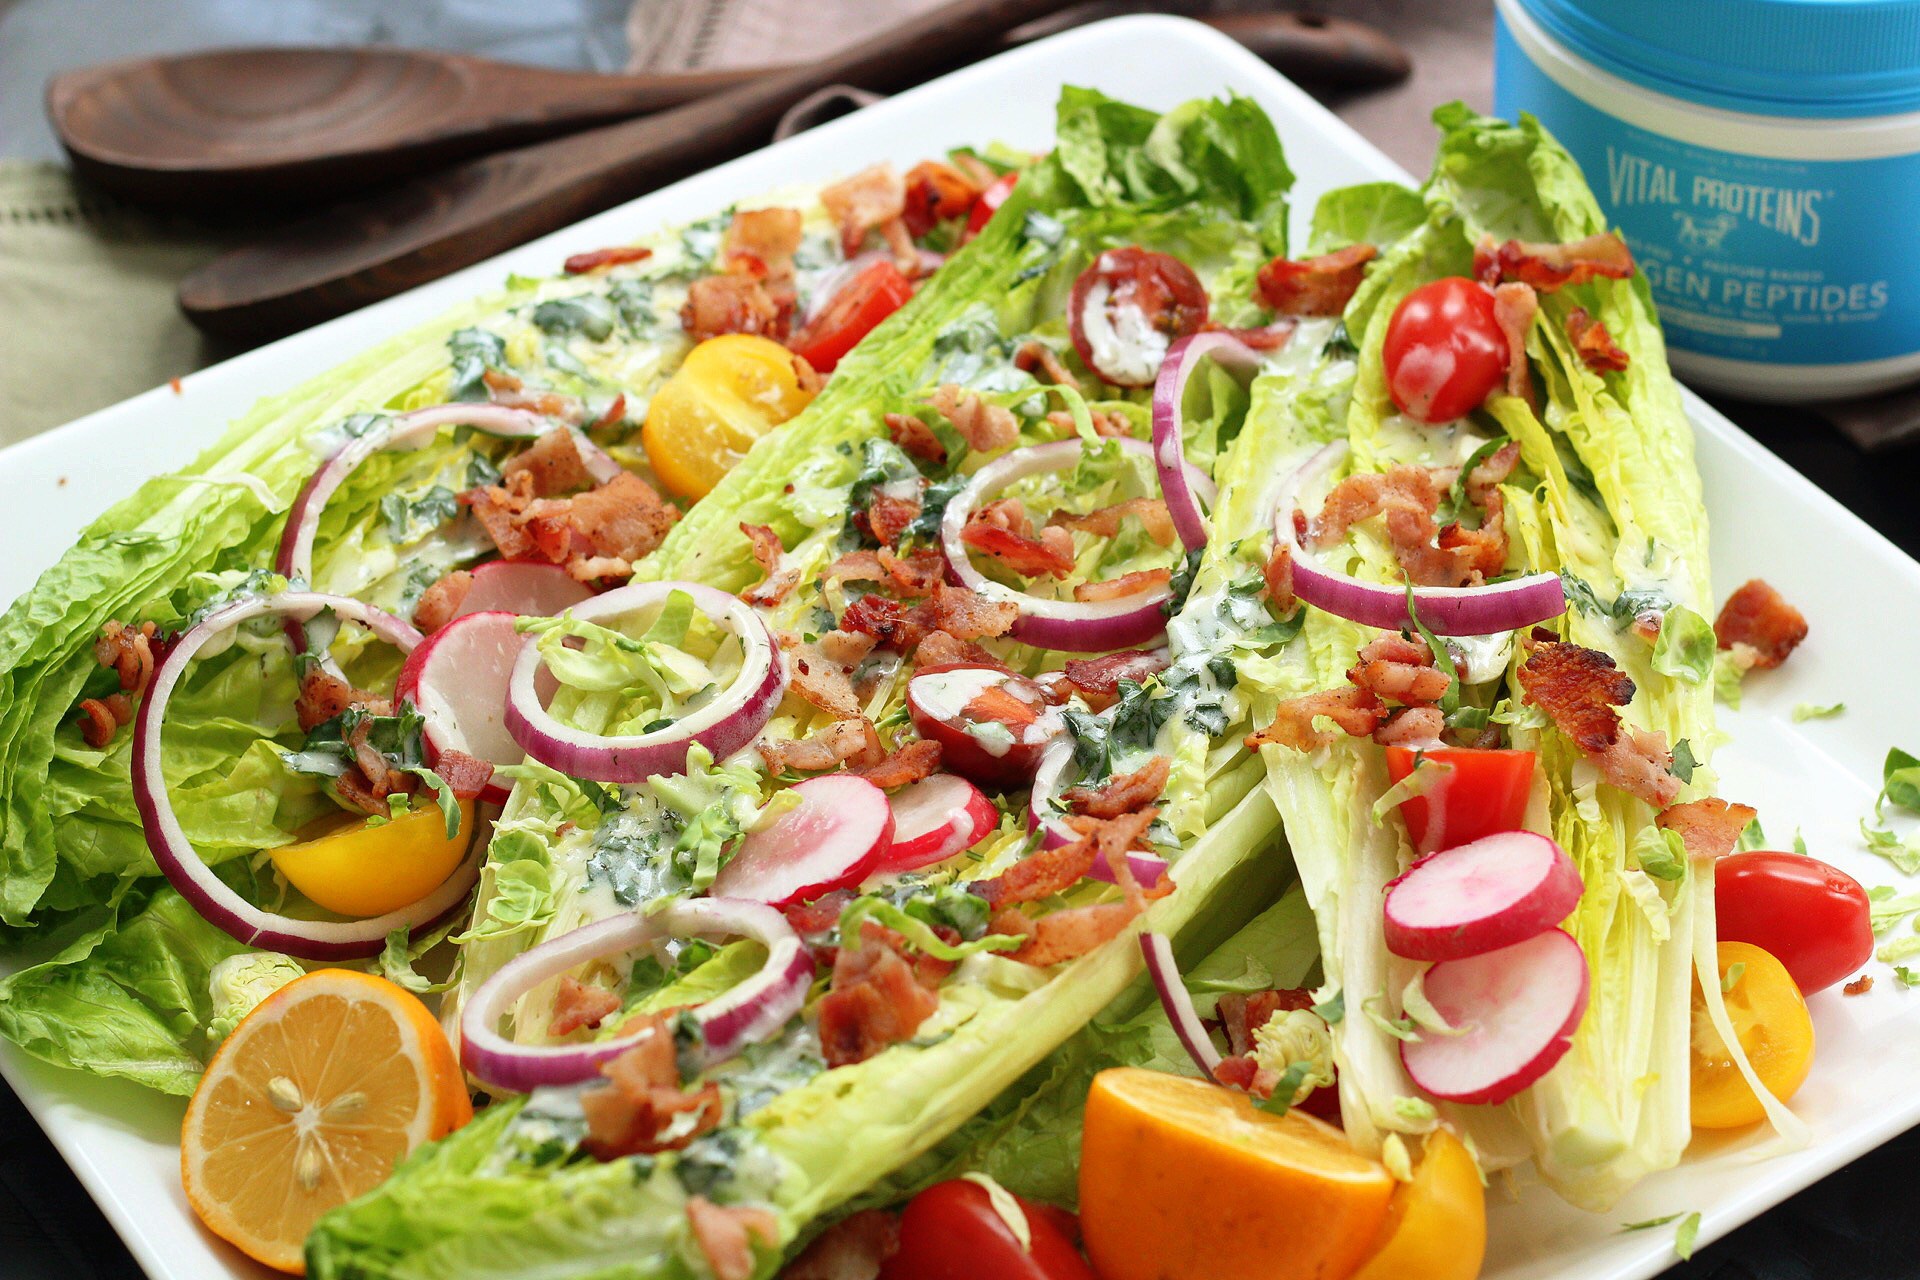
pixel 249 129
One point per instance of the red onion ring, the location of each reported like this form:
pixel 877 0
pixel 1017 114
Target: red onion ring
pixel 195 880
pixel 1071 625
pixel 723 726
pixel 1178 1002
pixel 1446 611
pixel 1169 392
pixel 751 1011
pixel 1147 868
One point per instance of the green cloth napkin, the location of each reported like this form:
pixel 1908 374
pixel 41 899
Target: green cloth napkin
pixel 87 316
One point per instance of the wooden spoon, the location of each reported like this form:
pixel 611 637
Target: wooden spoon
pixel 247 129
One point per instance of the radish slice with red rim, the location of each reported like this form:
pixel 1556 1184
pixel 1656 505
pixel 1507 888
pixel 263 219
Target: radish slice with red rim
pixel 1480 896
pixel 1514 1012
pixel 205 891
pixel 1169 445
pixel 531 588
pixel 1178 1003
pixel 457 678
pixel 934 819
pixel 748 1012
pixel 1072 625
pixel 833 839
pixel 1043 816
pixel 1446 611
pixel 730 720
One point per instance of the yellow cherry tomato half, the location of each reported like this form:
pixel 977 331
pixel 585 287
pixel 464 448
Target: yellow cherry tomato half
pixel 1436 1227
pixel 731 391
pixel 361 870
pixel 1770 1020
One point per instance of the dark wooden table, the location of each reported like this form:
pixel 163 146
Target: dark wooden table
pixel 1858 1224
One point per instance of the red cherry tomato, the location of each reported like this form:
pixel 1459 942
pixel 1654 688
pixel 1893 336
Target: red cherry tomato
pixel 851 314
pixel 1811 917
pixel 1485 792
pixel 985 718
pixel 1445 352
pixel 1119 298
pixel 989 203
pixel 951 1232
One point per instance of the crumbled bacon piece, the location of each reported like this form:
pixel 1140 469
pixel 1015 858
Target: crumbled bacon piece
pixel 918 759
pixel 868 200
pixel 322 696
pixel 1710 827
pixel 510 391
pixel 1065 935
pixel 761 243
pixel 1105 522
pixel 594 534
pixel 726 1235
pixel 816 679
pixel 639 1109
pixel 1394 667
pixel 857 566
pixel 822 914
pixel 1593 344
pixel 968 615
pixel 848 648
pixel 1277 573
pixel 580 264
pixel 1483 481
pixel 1127 584
pixel 1124 793
pixel 1360 497
pixel 1037 358
pixel 935 192
pixel 1408 497
pixel 914 575
pixel 1548 267
pixel 1108 424
pixel 1758 624
pixel 1412 727
pixel 828 747
pixel 733 304
pixel 1859 986
pixel 1353 710
pixel 1579 688
pixel 939 648
pixel 623 518
pixel 888 517
pixel 854 1248
pixel 1097 680
pixel 915 438
pixel 876 1000
pixel 983 426
pixel 891 624
pixel 466 776
pixel 101 718
pixel 440 603
pixel 780 578
pixel 990 532
pixel 129 651
pixel 1319 286
pixel 1514 307
pixel 577 1004
pixel 553 464
pixel 1050 871
pixel 1240 1015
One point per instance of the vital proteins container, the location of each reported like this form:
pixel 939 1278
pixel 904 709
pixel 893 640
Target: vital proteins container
pixel 1762 158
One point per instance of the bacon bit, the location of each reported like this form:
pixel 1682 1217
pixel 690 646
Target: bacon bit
pixel 323 696
pixel 1710 828
pixel 577 1005
pixel 1108 424
pixel 876 1000
pixel 983 426
pixel 1127 584
pixel 1514 307
pixel 848 648
pixel 553 465
pixel 1859 986
pixel 1050 555
pixel 642 1099
pixel 1408 496
pixel 1482 482
pixel 968 615
pixel 1412 727
pixel 1319 286
pixel 939 648
pixel 761 243
pixel 1278 575
pixel 918 759
pixel 599 259
pixel 1122 794
pixel 466 776
pixel 441 601
pixel 623 518
pixel 733 304
pixel 915 438
pixel 816 679
pixel 915 575
pixel 509 390
pixel 726 1234
pixel 174 385
pixel 1756 622
pixel 1097 680
pixel 1355 711
pixel 501 511
pixel 595 534
pixel 826 748
pixel 1579 688
pixel 1037 358
pixel 779 581
pixel 854 1248
pixel 1392 666
pixel 1240 1014
pixel 1548 267
pixel 864 202
pixel 1593 344
pixel 1482 551
pixel 98 723
pixel 1063 935
pixel 888 517
pixel 1105 522
pixel 812 919
pixel 857 566
pixel 891 624
pixel 1050 871
pixel 935 192
pixel 129 651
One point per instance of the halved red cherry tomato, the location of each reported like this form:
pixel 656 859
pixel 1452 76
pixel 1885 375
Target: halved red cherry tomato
pixel 1445 352
pixel 1485 792
pixel 989 203
pixel 985 718
pixel 1813 918
pixel 851 314
pixel 951 1231
pixel 1127 307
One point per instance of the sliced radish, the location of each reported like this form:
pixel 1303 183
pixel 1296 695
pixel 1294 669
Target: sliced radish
pixel 935 818
pixel 532 588
pixel 1515 1009
pixel 1480 896
pixel 991 723
pixel 833 839
pixel 458 679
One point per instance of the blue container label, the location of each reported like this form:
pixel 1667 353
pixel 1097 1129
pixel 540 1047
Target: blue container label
pixel 1750 258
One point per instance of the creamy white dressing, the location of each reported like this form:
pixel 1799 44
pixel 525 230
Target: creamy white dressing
pixel 944 695
pixel 1481 659
pixel 1124 342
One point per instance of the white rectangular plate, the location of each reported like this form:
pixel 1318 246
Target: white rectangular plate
pixel 1861 593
